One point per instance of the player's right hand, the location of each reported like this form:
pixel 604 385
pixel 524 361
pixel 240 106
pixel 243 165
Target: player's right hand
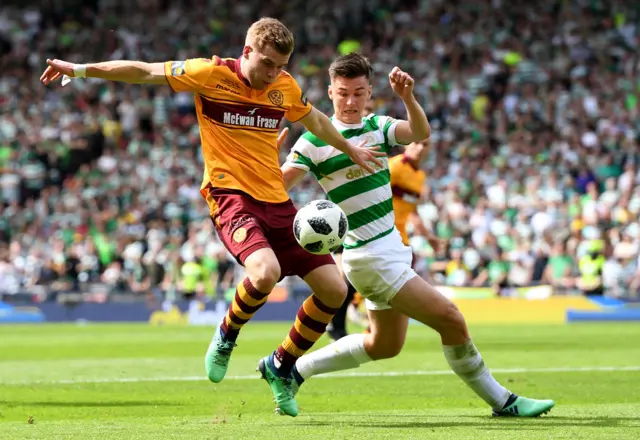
pixel 55 70
pixel 361 155
pixel 282 136
pixel 401 82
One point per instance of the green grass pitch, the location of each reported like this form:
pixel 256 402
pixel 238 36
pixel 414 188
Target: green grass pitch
pixel 141 382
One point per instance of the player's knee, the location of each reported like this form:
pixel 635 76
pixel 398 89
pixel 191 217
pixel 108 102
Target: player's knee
pixel 339 290
pixel 264 276
pixel 384 345
pixel 453 323
pixel 384 348
pixel 332 290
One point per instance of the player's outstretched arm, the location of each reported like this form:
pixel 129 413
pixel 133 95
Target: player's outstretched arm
pixel 320 125
pixel 417 127
pixel 134 72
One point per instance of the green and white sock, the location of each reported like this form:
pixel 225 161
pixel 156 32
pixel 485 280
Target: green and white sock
pixel 467 363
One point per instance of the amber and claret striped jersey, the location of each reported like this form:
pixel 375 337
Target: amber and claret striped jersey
pixel 238 124
pixel 406 186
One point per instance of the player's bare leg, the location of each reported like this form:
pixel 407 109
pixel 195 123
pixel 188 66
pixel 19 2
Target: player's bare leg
pixel 386 339
pixel 388 332
pixel 419 300
pixel 312 319
pixel 337 327
pixel 424 303
pixel 263 272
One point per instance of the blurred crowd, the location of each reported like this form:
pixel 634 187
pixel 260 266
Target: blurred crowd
pixel 533 176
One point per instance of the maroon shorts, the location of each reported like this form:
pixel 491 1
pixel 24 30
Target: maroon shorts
pixel 245 225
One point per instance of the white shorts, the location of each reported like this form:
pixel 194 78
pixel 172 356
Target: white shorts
pixel 379 269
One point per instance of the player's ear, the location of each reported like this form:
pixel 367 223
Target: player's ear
pixel 370 91
pixel 246 51
pixel 330 91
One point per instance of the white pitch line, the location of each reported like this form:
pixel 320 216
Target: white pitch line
pixel 323 376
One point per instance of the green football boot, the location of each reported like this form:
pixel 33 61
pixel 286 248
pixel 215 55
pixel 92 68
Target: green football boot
pixel 518 406
pixel 216 360
pixel 284 388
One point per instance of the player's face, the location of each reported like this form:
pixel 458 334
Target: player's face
pixel 263 65
pixel 349 96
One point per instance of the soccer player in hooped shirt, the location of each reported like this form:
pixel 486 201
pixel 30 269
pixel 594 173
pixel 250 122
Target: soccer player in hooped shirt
pixel 375 259
pixel 240 103
pixel 407 180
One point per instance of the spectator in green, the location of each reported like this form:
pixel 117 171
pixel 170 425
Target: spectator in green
pixel 560 267
pixel 496 273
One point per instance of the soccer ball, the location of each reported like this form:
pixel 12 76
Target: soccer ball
pixel 320 227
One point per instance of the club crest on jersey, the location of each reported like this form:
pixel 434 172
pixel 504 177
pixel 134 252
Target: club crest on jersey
pixel 239 235
pixel 371 138
pixel 177 68
pixel 293 157
pixel 276 97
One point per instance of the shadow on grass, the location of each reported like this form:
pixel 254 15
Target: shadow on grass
pixel 108 404
pixel 488 423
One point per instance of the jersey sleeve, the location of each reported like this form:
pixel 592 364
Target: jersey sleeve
pixel 301 155
pixel 299 106
pixel 388 126
pixel 190 75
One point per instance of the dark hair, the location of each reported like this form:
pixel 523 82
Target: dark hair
pixel 351 66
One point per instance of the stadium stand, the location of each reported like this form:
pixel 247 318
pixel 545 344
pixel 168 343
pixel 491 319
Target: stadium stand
pixel 533 176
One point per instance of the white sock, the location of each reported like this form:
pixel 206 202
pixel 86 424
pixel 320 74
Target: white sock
pixel 467 363
pixel 345 353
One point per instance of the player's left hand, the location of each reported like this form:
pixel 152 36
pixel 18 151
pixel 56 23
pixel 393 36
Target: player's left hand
pixel 282 136
pixel 360 155
pixel 401 82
